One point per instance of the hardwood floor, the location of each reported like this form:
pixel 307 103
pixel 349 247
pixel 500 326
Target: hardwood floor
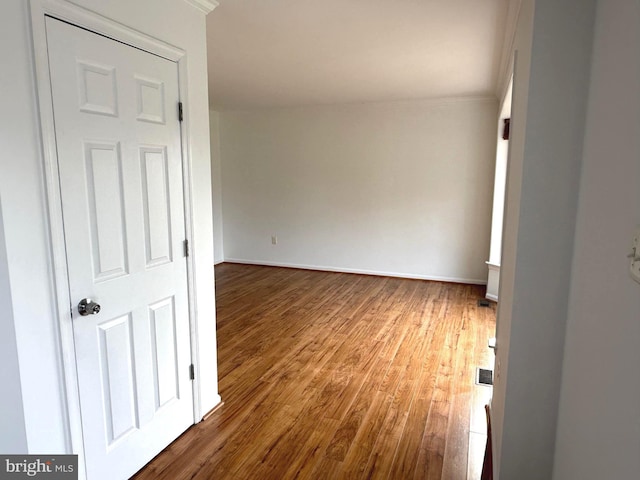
pixel 330 375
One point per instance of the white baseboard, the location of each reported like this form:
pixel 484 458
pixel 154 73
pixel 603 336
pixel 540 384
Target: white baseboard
pixel 493 298
pixel 472 281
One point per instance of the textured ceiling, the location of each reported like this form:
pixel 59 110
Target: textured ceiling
pixel 274 53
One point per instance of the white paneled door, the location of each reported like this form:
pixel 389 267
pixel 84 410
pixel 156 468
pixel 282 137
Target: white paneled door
pixel 120 166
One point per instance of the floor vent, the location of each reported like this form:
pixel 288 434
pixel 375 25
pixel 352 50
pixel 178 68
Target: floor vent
pixel 483 302
pixel 484 376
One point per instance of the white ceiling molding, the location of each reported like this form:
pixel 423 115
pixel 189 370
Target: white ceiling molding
pixel 205 6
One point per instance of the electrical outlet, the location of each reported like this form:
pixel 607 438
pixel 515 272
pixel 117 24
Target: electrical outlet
pixel 274 240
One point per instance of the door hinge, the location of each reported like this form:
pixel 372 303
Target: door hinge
pixel 180 114
pixel 186 248
pixel 192 372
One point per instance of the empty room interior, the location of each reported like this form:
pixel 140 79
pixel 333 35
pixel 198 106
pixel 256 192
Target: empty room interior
pixel 353 167
pixel 358 177
pixel 246 239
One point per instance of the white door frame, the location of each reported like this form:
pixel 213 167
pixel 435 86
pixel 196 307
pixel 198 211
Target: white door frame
pixel 73 14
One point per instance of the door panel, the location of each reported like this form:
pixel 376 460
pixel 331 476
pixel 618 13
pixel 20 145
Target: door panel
pixel 118 374
pixel 103 163
pixel 163 344
pixel 120 167
pixel 157 208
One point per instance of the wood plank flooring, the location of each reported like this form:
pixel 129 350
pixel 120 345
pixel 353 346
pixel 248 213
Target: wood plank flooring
pixel 331 376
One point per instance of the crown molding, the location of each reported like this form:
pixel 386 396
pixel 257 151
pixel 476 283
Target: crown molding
pixel 205 6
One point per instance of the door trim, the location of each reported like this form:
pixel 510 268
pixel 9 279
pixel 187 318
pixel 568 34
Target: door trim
pixel 89 20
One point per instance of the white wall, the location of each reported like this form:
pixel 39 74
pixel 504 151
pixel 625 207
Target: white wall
pixel 12 417
pixel 599 418
pixel 499 191
pixel 520 96
pixel 28 271
pixel 550 90
pixel 400 188
pixel 500 182
pixel 216 186
pixel 24 212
